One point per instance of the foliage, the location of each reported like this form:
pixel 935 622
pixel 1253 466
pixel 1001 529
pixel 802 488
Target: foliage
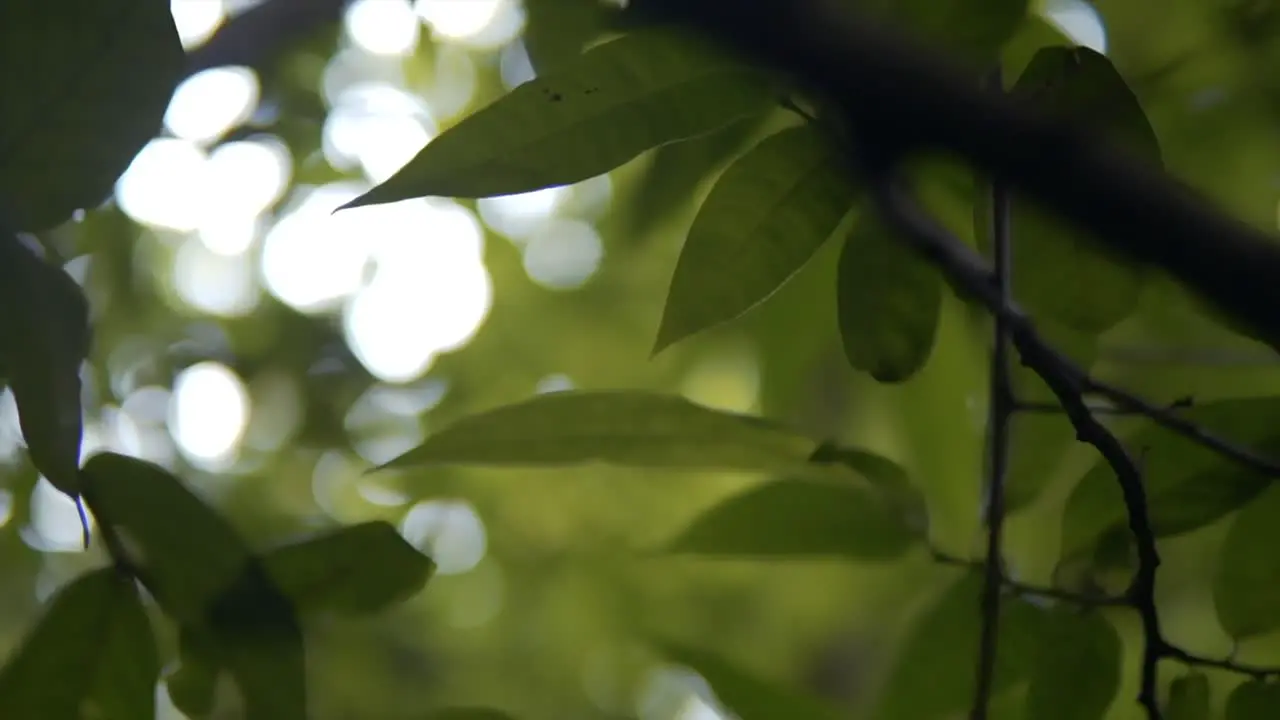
pixel 873 475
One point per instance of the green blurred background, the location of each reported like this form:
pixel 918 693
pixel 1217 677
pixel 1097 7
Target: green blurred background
pixel 270 352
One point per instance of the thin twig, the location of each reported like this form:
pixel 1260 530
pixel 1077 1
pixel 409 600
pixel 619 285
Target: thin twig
pixel 1054 408
pixel 1000 413
pixel 1022 589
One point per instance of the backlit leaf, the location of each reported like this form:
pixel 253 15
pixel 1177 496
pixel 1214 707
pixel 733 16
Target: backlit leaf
pixel 1060 274
pixel 89 81
pixel 749 697
pixel 585 117
pixel 938 654
pixel 888 299
pixel 1254 700
pixel 91 655
pixel 621 427
pixel 1188 486
pixel 469 713
pixel 766 216
pixel 44 337
pixel 1076 670
pixel 356 569
pixel 798 518
pixel 1246 588
pixel 1188 697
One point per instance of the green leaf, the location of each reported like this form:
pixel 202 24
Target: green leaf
pixel 938 654
pixel 889 299
pixel 1053 260
pixel 974 30
pixel 584 118
pixel 1246 588
pixel 749 697
pixel 203 576
pixel 1188 486
pixel 357 569
pixel 1188 697
pixel 887 477
pixel 88 83
pixel 192 686
pixel 555 31
pixel 1032 36
pixel 634 428
pixel 1076 671
pixel 1254 700
pixel 469 713
pixel 92 655
pixel 799 518
pixel 764 219
pixel 44 337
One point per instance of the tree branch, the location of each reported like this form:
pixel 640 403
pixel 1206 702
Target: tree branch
pixel 908 98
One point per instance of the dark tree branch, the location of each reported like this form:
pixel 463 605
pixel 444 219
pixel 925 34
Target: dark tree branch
pixel 906 98
pixel 1000 413
pixel 257 37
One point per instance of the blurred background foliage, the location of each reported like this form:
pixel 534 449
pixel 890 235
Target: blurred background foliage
pixel 270 353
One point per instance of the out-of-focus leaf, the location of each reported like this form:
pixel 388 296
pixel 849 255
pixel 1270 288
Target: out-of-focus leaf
pixel 1076 670
pixel 1032 36
pixel 193 684
pixel 889 299
pixel 356 569
pixel 44 336
pixel 1188 697
pixel 469 713
pixel 1254 700
pixel 749 697
pixel 765 217
pixel 1246 588
pixel 204 577
pixel 1188 486
pixel 889 479
pixel 1060 274
pixel 92 654
pixel 555 31
pixel 584 118
pixel 622 427
pixel 89 81
pixel 799 518
pixel 938 653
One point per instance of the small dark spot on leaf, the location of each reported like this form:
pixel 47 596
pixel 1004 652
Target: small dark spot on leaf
pixel 556 97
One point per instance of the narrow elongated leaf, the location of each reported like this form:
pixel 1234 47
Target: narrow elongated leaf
pixel 357 569
pixel 765 217
pixel 1246 588
pixel 798 518
pixel 889 299
pixel 95 77
pixel 1076 671
pixel 749 697
pixel 92 654
pixel 1060 274
pixel 1254 700
pixel 1188 697
pixel 1188 486
pixel 585 117
pixel 205 578
pixel 939 651
pixel 622 427
pixel 44 336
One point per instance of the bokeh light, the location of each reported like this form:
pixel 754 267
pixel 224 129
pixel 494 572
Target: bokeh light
pixel 208 414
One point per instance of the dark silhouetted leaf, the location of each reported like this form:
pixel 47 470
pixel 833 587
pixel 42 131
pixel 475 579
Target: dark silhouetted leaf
pixel 749 697
pixel 1246 588
pixel 938 654
pixel 92 655
pixel 799 518
pixel 1052 258
pixel 88 84
pixel 1254 700
pixel 889 299
pixel 193 684
pixel 585 117
pixel 1188 697
pixel 621 427
pixel 205 578
pixel 973 30
pixel 765 217
pixel 44 336
pixel 1032 36
pixel 357 569
pixel 1076 670
pixel 1188 486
